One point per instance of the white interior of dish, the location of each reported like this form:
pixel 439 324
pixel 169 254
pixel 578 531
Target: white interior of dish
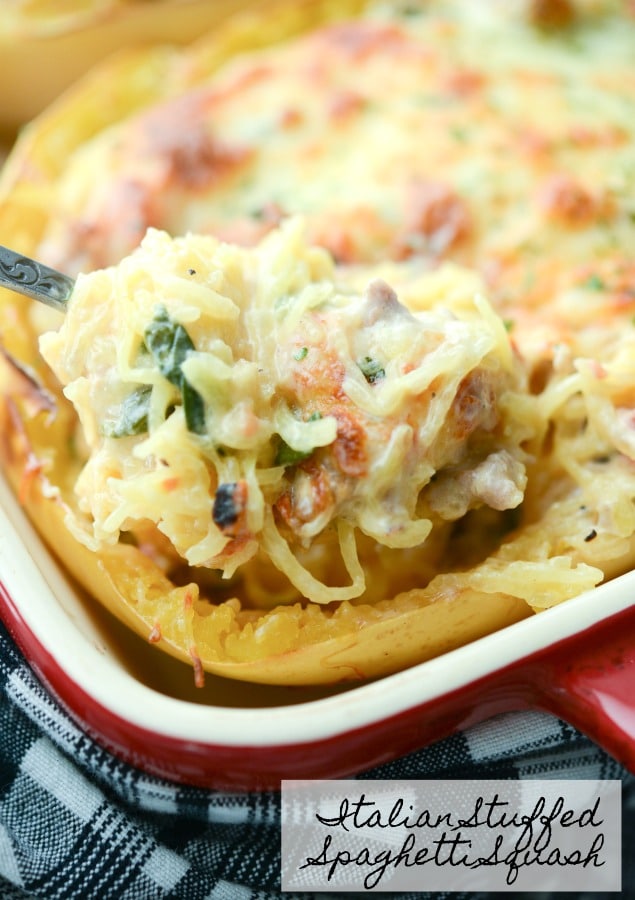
pixel 139 684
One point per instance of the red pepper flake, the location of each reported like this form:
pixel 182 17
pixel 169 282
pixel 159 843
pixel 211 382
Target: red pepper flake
pixel 346 104
pixel 598 369
pixel 291 117
pixel 464 82
pixel 155 635
pixel 199 672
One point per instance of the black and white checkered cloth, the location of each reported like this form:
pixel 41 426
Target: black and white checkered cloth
pixel 78 824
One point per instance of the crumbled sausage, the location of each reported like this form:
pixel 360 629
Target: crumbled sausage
pixel 566 201
pixel 551 13
pixel 437 219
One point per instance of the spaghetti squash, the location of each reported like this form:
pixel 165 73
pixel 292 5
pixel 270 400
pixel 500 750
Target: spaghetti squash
pixel 346 380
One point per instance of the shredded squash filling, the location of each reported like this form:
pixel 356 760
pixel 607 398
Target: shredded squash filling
pixel 320 405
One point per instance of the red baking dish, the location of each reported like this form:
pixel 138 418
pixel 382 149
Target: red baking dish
pixel 576 660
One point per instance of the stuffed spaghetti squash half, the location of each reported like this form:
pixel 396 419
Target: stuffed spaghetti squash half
pixel 346 380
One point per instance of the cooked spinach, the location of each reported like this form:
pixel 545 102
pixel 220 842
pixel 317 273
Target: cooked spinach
pixel 133 416
pixel 287 456
pixel 169 343
pixel 194 408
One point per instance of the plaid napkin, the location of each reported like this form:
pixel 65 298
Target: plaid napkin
pixel 77 823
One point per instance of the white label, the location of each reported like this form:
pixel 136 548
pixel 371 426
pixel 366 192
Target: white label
pixel 530 835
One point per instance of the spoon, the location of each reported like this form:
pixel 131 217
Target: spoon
pixel 26 276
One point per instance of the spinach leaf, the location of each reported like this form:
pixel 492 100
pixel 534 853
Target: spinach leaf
pixel 194 408
pixel 133 417
pixel 169 343
pixel 287 456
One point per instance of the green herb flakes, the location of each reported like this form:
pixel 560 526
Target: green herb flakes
pixel 594 283
pixel 371 369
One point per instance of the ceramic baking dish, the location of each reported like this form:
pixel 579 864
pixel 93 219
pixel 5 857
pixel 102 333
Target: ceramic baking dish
pixel 576 660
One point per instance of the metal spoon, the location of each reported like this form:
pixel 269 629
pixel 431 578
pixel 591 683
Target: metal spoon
pixel 35 280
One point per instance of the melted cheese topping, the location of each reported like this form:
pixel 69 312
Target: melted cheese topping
pixel 449 130
pixel 495 136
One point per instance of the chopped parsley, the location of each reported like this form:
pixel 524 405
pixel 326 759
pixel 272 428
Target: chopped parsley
pixel 594 283
pixel 459 133
pixel 409 10
pixel 301 353
pixel 371 369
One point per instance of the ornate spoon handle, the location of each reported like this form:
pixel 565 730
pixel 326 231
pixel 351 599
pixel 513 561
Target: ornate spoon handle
pixel 33 279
